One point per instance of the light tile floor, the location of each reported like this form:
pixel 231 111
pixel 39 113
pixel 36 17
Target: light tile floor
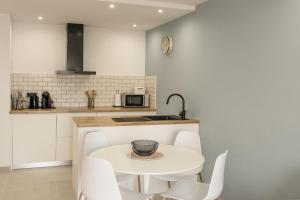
pixel 37 184
pixel 53 183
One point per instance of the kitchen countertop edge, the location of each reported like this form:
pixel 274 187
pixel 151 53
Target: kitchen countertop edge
pixel 81 110
pixel 85 122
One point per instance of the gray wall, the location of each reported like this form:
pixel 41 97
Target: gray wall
pixel 237 62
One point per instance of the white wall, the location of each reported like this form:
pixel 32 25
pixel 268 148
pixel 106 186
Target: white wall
pixel 110 51
pixel 41 48
pixel 38 48
pixel 5 69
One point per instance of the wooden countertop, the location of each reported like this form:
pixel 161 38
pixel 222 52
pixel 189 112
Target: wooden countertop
pixel 81 109
pixel 108 122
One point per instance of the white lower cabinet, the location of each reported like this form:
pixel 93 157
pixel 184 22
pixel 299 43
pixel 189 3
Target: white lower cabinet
pixel 65 122
pixel 41 138
pixel 64 149
pixel 139 113
pixel 64 134
pixel 34 138
pixel 114 114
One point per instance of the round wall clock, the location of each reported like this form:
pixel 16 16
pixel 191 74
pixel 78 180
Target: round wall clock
pixel 167 45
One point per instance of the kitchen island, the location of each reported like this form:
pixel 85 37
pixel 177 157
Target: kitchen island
pixel 117 133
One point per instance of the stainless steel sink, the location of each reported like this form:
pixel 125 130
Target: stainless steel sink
pixel 162 117
pixel 130 119
pixel 147 118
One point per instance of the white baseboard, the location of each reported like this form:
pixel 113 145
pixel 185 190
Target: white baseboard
pixel 42 164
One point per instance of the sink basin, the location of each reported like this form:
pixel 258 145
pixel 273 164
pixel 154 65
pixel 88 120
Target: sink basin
pixel 147 118
pixel 130 119
pixel 162 117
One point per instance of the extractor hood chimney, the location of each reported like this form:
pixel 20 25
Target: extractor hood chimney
pixel 75 34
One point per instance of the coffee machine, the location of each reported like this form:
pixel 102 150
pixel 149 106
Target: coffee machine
pixel 33 100
pixel 47 102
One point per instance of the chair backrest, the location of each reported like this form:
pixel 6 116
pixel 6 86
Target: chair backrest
pixel 217 179
pixel 188 139
pixel 98 180
pixel 94 140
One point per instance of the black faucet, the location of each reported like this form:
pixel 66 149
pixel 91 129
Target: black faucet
pixel 182 113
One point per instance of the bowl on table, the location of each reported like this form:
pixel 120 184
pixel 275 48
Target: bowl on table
pixel 144 147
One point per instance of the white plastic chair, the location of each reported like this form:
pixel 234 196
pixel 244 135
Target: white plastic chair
pixel 96 140
pixel 192 141
pixel 93 141
pixel 189 140
pixel 99 182
pixel 190 190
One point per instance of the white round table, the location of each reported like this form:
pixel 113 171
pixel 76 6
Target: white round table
pixel 175 160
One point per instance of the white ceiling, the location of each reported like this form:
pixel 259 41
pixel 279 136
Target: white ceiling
pixel 97 13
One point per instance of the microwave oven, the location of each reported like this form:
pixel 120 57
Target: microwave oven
pixel 135 100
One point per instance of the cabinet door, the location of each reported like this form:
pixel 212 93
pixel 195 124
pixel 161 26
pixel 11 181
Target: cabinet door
pixel 64 149
pixel 65 134
pixel 34 138
pixel 65 123
pixel 107 114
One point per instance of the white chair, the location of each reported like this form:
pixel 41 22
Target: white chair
pixel 190 190
pixel 99 182
pixel 96 140
pixel 93 141
pixel 192 141
pixel 189 140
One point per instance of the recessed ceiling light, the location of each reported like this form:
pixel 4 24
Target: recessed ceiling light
pixel 134 25
pixel 112 5
pixel 160 11
pixel 40 18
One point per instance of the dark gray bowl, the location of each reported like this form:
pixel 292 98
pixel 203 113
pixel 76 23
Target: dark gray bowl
pixel 144 147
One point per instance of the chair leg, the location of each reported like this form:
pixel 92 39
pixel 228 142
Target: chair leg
pixel 80 196
pixel 146 184
pixel 200 177
pixel 169 184
pixel 139 184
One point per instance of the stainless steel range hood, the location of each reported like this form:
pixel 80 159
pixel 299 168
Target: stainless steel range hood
pixel 75 34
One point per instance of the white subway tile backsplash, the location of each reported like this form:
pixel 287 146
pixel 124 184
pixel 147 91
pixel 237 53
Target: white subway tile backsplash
pixel 69 90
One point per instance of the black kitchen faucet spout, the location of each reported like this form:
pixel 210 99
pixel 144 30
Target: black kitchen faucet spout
pixel 182 113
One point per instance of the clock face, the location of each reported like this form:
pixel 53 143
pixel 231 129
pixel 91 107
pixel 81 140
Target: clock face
pixel 166 45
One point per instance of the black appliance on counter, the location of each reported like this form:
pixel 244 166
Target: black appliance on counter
pixel 33 100
pixel 47 102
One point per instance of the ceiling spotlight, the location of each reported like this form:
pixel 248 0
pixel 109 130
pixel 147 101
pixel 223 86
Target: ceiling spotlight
pixel 40 18
pixel 160 11
pixel 134 25
pixel 112 6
